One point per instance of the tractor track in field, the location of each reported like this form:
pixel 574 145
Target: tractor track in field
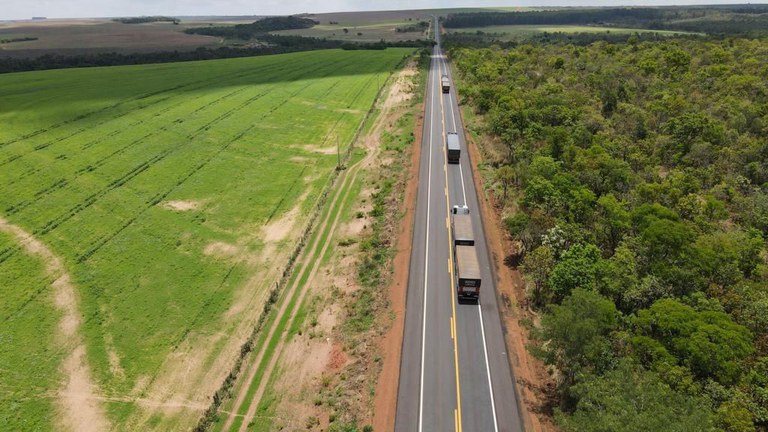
pixel 306 263
pixel 79 408
pixel 143 166
pixel 188 86
pixel 113 133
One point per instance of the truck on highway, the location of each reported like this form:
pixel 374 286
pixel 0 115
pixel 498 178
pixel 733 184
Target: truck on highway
pixel 446 84
pixel 462 227
pixel 453 146
pixel 465 255
pixel 467 273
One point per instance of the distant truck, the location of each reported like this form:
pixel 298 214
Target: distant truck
pixel 446 83
pixel 453 146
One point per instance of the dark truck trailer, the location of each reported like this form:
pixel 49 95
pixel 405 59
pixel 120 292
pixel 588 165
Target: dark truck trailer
pixel 467 273
pixel 453 146
pixel 446 84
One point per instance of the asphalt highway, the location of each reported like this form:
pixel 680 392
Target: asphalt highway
pixel 454 371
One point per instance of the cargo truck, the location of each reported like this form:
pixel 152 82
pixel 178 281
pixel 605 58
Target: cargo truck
pixel 465 254
pixel 462 227
pixel 467 273
pixel 446 83
pixel 453 146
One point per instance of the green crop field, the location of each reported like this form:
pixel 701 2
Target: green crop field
pixel 517 32
pixel 171 193
pixel 28 358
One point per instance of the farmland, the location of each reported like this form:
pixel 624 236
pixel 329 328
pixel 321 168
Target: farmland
pixel 173 194
pixel 72 37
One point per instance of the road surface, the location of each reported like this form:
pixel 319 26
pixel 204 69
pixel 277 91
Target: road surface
pixel 454 371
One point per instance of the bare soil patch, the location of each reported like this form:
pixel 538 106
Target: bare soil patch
pixel 279 229
pixel 78 405
pixel 314 148
pixel 182 205
pixel 221 249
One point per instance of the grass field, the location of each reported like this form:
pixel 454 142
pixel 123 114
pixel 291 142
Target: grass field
pixel 517 32
pixel 171 191
pixel 28 358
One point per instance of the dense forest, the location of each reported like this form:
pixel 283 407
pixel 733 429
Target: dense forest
pixel 737 19
pixel 254 29
pixel 634 178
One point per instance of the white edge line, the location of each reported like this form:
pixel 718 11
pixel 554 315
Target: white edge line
pixel 488 369
pixel 463 190
pixel 426 260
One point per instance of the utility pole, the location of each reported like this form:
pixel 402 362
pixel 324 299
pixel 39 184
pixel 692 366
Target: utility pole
pixel 338 153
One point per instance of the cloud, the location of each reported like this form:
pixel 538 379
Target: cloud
pixel 24 9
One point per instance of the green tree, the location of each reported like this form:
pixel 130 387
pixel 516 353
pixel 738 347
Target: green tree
pixel 577 333
pixel 666 240
pixel 506 176
pixel 723 258
pixel 612 221
pixel 708 342
pixel 734 417
pixel 576 269
pixel 541 193
pixel 630 399
pixel 537 266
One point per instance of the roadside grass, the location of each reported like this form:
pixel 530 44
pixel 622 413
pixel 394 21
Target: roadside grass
pixel 90 157
pixel 519 32
pixel 29 355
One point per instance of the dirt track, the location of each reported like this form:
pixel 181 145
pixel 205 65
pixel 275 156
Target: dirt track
pixel 79 407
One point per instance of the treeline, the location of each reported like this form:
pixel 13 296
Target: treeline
pixel 733 20
pixel 18 39
pixel 256 28
pixel 633 178
pixel 272 44
pixel 146 19
pixel 418 27
pixel 480 39
pixel 626 16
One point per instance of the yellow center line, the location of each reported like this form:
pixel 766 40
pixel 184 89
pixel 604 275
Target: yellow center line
pixel 453 282
pixel 456 424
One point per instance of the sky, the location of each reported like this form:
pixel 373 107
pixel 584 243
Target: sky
pixel 25 9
